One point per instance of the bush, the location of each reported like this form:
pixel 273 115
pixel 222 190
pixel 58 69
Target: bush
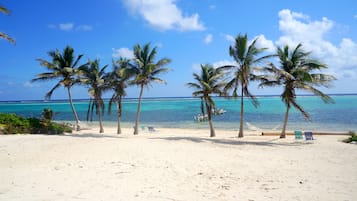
pixel 14 124
pixel 353 137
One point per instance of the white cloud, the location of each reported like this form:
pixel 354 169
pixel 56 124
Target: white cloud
pixel 70 27
pixel 263 42
pixel 164 15
pixel 230 38
pixel 84 28
pixel 66 26
pixel 212 7
pixel 123 52
pixel 29 84
pixel 197 67
pixel 298 28
pixel 208 38
pixel 224 63
pixel 355 16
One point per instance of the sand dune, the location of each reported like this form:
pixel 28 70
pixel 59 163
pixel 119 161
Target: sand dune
pixel 175 164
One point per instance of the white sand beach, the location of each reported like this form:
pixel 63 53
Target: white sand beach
pixel 175 164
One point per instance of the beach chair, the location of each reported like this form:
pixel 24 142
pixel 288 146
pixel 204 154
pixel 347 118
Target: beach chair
pixel 308 135
pixel 298 135
pixel 151 129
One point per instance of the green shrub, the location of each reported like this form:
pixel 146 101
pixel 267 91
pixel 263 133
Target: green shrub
pixel 353 137
pixel 14 124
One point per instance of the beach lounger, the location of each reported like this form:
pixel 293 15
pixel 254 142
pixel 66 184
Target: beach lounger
pixel 298 135
pixel 151 129
pixel 308 135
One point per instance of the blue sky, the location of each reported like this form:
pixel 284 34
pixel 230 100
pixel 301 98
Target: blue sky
pixel 188 32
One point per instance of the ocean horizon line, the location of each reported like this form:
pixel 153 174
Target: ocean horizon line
pixel 163 98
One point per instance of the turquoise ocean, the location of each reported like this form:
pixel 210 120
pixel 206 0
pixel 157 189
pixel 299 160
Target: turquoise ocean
pixel 180 112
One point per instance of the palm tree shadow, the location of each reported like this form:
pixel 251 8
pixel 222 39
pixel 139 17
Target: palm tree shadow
pixel 88 135
pixel 233 141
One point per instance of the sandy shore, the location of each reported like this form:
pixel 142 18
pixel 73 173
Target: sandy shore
pixel 175 164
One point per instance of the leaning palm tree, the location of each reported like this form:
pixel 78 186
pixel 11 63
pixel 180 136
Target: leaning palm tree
pixel 246 57
pixel 118 82
pixel 297 72
pixel 146 71
pixel 94 76
pixel 63 67
pixel 210 81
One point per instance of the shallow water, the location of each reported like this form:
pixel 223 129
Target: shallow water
pixel 179 113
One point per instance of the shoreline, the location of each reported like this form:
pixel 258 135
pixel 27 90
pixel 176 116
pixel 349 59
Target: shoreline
pixel 175 164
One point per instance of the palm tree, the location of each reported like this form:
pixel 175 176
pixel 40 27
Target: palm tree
pixel 118 82
pixel 207 83
pixel 246 58
pixel 146 71
pixel 63 67
pixel 4 35
pixel 297 72
pixel 94 76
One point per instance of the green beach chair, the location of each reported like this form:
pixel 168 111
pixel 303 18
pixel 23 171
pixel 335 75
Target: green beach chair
pixel 298 135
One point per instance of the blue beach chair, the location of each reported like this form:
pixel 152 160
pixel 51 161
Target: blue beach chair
pixel 308 135
pixel 298 135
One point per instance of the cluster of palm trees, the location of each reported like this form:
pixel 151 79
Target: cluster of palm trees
pixel 142 70
pixel 296 71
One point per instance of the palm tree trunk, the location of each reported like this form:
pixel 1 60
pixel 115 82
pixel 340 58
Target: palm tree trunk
pixel 136 130
pixel 283 135
pixel 241 115
pixel 101 130
pixel 73 109
pixel 118 116
pixel 209 113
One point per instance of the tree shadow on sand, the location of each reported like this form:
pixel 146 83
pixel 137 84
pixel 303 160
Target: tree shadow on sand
pixel 233 141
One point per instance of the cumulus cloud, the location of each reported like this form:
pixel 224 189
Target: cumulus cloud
pixel 164 15
pixel 263 42
pixel 123 52
pixel 208 38
pixel 298 28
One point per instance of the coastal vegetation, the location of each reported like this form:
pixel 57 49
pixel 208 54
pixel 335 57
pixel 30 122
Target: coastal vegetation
pixel 118 80
pixel 352 139
pixel 247 57
pixel 297 71
pixel 14 124
pixel 62 67
pixel 209 81
pixel 146 71
pixel 93 76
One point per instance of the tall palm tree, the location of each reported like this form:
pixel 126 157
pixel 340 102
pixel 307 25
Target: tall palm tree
pixel 118 82
pixel 94 76
pixel 146 71
pixel 246 57
pixel 4 35
pixel 297 72
pixel 63 67
pixel 210 81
